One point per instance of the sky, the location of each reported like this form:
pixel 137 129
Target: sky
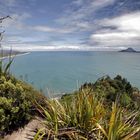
pixel 71 24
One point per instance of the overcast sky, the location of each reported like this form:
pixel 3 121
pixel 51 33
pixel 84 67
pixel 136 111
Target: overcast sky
pixel 71 24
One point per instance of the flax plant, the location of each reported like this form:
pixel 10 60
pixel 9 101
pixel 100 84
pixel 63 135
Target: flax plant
pixel 85 110
pixel 85 117
pixel 121 125
pixel 56 122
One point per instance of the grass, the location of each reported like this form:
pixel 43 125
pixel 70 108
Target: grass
pixel 86 117
pixel 82 116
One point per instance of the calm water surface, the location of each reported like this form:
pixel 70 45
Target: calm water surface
pixel 59 72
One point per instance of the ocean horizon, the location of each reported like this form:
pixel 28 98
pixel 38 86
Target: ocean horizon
pixel 65 71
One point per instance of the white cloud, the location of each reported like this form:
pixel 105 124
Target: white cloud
pixel 31 47
pixel 72 21
pixel 43 28
pixel 17 21
pixel 51 29
pixel 79 18
pixel 66 47
pixel 125 22
pixel 121 31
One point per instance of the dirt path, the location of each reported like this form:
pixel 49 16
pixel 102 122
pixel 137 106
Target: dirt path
pixel 25 133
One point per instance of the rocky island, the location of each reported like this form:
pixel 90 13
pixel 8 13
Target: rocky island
pixel 130 50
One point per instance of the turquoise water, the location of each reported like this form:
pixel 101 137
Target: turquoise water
pixel 59 72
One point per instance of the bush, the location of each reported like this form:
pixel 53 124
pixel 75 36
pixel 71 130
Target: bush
pixel 17 103
pixel 125 100
pixel 114 89
pixel 14 108
pixel 86 117
pixel 13 115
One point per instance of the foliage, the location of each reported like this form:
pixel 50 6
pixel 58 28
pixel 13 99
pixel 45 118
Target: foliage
pixel 17 99
pixel 13 105
pixel 86 117
pixel 17 103
pixel 111 89
pixel 120 125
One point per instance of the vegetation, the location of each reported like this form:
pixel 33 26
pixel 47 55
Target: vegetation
pixel 90 114
pixel 114 89
pixel 17 99
pixel 105 110
pixel 17 103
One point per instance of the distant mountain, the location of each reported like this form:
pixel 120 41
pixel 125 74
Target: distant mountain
pixel 131 50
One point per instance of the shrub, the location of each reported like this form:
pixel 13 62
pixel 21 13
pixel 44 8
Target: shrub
pixel 85 117
pixel 15 109
pixel 126 100
pixel 17 103
pixel 111 89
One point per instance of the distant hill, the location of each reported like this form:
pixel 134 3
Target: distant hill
pixel 131 50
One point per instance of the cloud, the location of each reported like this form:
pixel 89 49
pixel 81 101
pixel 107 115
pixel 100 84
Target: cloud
pixel 44 28
pixel 64 47
pixel 77 2
pixel 81 16
pixel 125 22
pixel 119 31
pixel 17 22
pixel 31 47
pixel 8 7
pixel 9 3
pixel 51 29
pixel 91 20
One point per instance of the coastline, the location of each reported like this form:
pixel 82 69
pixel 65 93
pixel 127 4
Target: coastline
pixel 14 55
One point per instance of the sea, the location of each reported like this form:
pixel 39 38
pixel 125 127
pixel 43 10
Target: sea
pixel 64 72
